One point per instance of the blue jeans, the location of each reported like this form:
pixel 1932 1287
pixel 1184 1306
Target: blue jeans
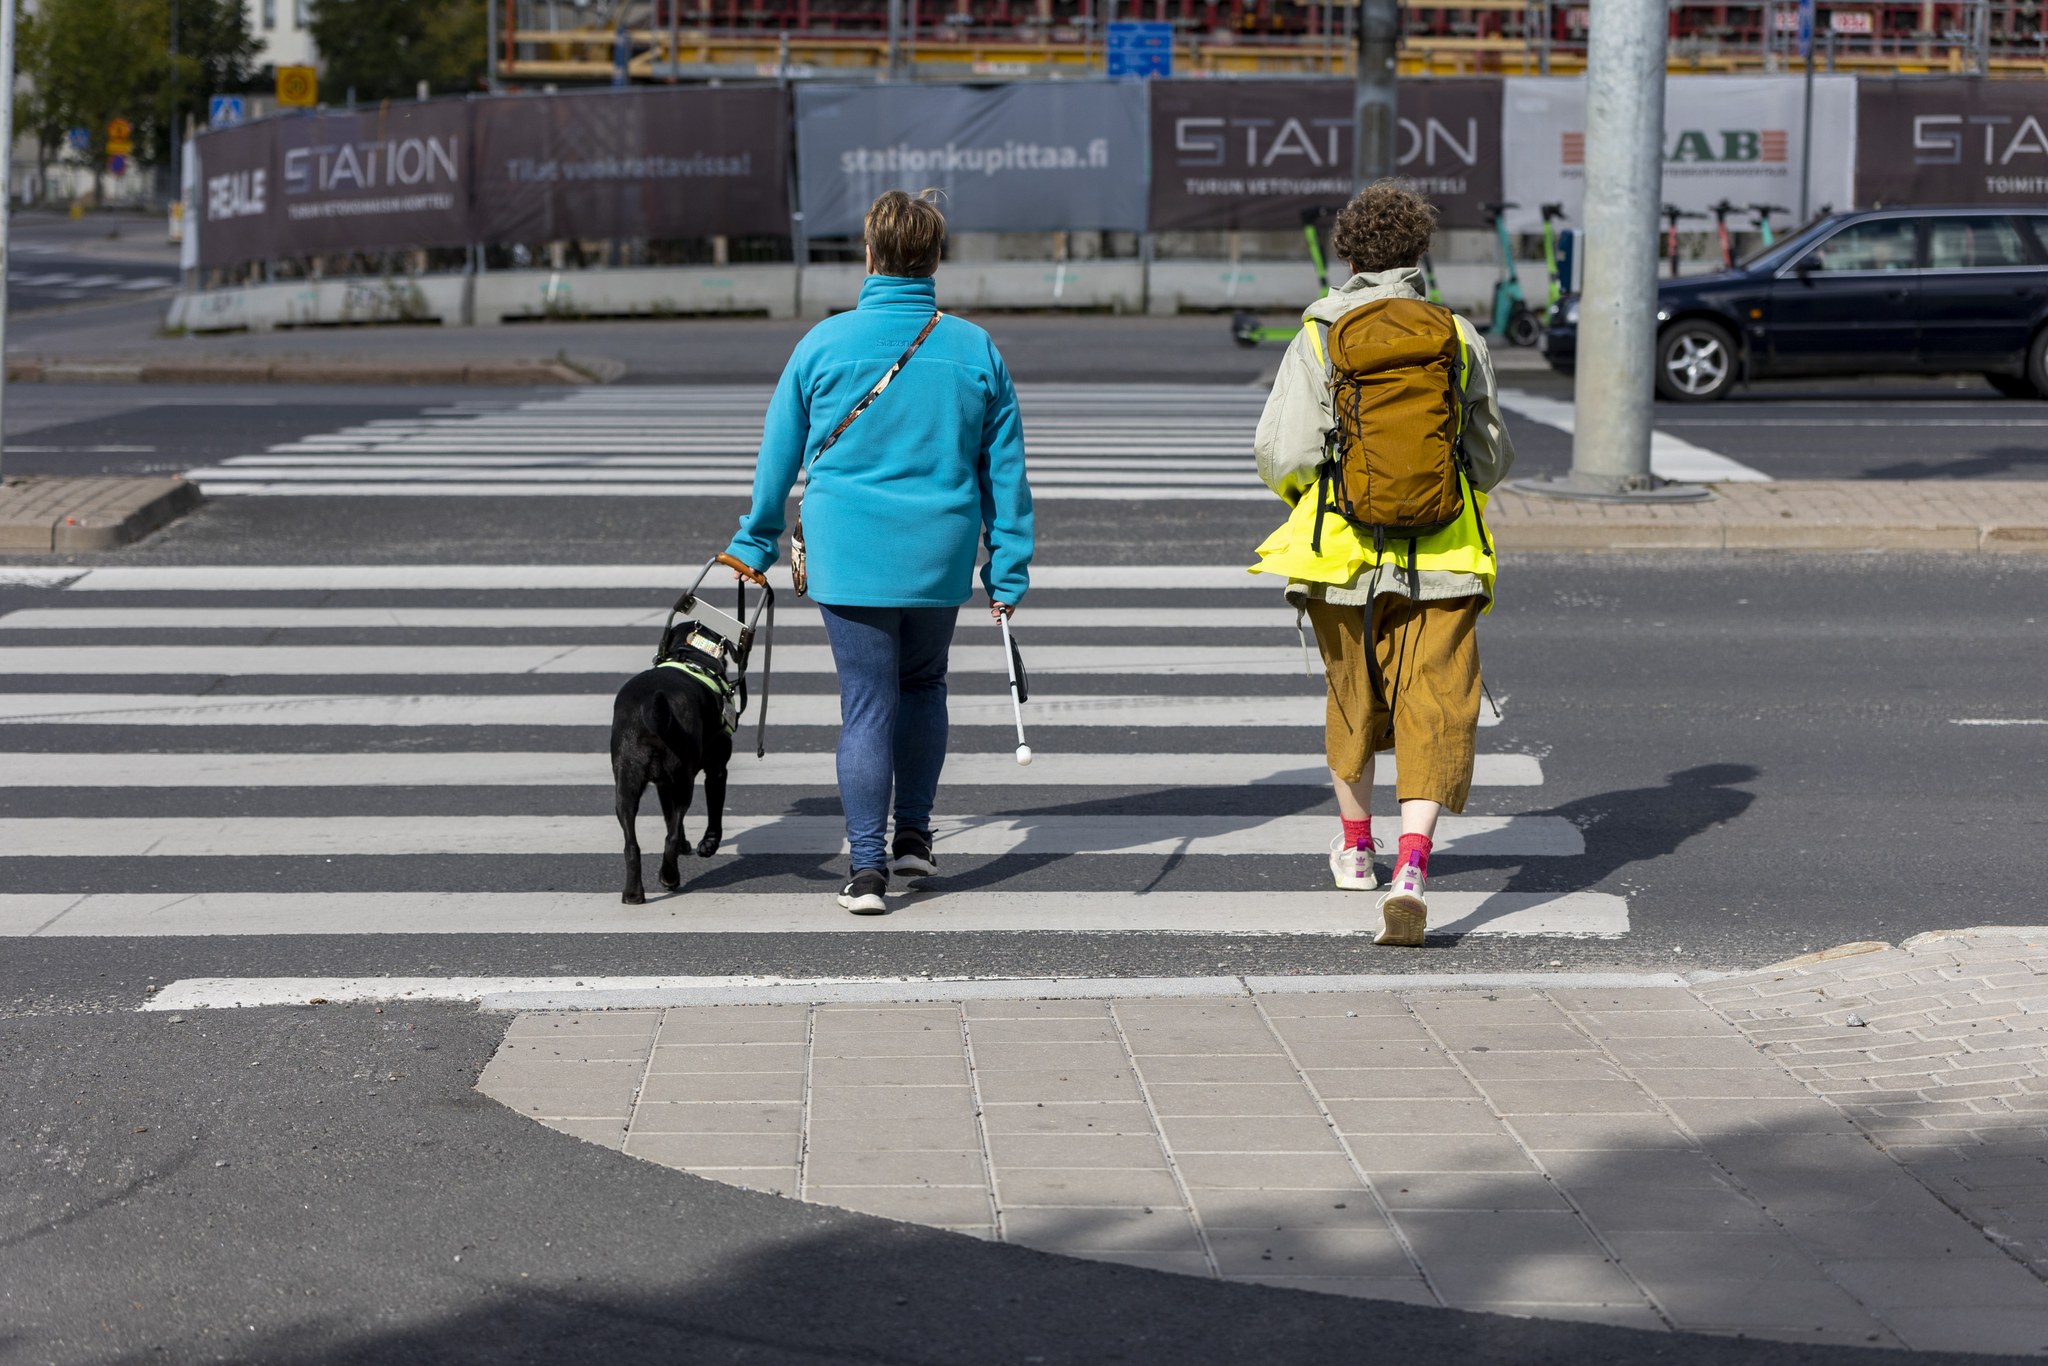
pixel 892 717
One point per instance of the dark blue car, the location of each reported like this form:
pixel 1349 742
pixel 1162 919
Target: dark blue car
pixel 1886 291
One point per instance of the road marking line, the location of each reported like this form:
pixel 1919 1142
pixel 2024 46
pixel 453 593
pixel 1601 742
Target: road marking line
pixel 505 769
pixel 595 709
pixel 1671 457
pixel 15 576
pixel 214 486
pixel 592 993
pixel 695 481
pixel 798 614
pixel 1999 721
pixel 973 837
pixel 331 578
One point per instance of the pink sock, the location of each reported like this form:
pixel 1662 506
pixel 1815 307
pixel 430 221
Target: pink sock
pixel 1357 834
pixel 1415 850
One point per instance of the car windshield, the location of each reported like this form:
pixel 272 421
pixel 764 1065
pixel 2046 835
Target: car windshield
pixel 1774 257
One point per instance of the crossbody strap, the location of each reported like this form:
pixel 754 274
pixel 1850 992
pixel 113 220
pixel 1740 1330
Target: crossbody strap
pixel 880 385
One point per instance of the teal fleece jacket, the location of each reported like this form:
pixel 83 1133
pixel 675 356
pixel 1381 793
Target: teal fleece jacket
pixel 897 509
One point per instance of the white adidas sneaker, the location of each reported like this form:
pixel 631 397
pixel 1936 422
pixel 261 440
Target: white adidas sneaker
pixel 1351 866
pixel 1404 910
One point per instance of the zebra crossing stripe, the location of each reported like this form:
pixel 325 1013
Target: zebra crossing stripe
pixel 798 613
pixel 670 578
pixel 444 488
pixel 1322 912
pixel 595 709
pixel 591 769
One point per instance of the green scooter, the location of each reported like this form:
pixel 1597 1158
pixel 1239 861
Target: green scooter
pixel 1553 214
pixel 1512 318
pixel 1763 214
pixel 1246 328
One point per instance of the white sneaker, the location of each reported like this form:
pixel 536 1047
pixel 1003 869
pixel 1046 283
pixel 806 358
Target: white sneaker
pixel 1352 867
pixel 1404 910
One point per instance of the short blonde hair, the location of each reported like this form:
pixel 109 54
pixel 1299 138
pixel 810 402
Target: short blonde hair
pixel 1386 226
pixel 905 232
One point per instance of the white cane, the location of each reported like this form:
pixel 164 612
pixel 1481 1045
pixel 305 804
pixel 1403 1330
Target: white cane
pixel 1016 700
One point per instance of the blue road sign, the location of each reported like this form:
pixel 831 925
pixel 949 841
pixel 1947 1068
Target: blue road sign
pixel 223 111
pixel 1140 50
pixel 80 140
pixel 1805 28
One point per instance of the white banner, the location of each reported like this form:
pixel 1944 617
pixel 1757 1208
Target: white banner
pixel 1725 137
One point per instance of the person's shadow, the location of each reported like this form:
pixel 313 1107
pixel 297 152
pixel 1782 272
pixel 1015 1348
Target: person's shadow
pixel 1638 824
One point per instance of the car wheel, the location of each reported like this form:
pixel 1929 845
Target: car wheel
pixel 2012 386
pixel 2037 363
pixel 1524 330
pixel 1695 361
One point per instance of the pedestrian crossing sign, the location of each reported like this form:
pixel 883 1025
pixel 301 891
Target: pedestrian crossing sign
pixel 223 111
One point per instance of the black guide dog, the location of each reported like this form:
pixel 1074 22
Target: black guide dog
pixel 667 727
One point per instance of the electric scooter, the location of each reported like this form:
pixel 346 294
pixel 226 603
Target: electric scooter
pixel 1246 329
pixel 1721 212
pixel 1672 215
pixel 1511 316
pixel 1429 285
pixel 1763 214
pixel 1552 215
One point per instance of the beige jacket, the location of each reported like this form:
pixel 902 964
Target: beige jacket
pixel 1290 440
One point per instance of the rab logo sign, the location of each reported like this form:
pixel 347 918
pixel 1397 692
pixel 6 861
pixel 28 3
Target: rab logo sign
pixel 1720 147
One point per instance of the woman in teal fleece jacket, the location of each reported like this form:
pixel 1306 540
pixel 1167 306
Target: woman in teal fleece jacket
pixel 894 516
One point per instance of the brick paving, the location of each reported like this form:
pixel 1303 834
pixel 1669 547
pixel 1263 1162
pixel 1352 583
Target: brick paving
pixel 1626 1155
pixel 51 513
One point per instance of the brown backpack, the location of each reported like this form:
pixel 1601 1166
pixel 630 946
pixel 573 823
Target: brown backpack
pixel 1395 462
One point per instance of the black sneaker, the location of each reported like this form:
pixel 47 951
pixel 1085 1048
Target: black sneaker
pixel 912 856
pixel 864 895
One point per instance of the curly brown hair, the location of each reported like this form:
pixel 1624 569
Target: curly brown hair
pixel 1387 225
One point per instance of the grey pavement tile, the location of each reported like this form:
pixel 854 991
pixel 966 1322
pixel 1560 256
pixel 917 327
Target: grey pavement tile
pixel 1738 1118
pixel 1372 1252
pixel 1316 1055
pixel 1698 1022
pixel 1188 1069
pixel 790 1027
pixel 1588 1064
pixel 1408 1153
pixel 1619 1209
pixel 926 1167
pixel 944 1205
pixel 1151 1043
pixel 1263 1134
pixel 773 1180
pixel 1052 1084
pixel 567 1102
pixel 722 1086
pixel 1522 1038
pixel 548 1025
pixel 1467 1279
pixel 1637 1315
pixel 1020 1187
pixel 580 1048
pixel 1264 1171
pixel 1603 1000
pixel 1697 1303
pixel 1937 1282
pixel 986 1232
pixel 1179 1263
pixel 606 1133
pixel 1010 1151
pixel 1578 1169
pixel 890 1043
pixel 1735 1052
pixel 1658 1257
pixel 894 1135
pixel 687 1015
pixel 1043 1029
pixel 1399 1289
pixel 1469 1191
pixel 1567 1097
pixel 730 1057
pixel 716 1150
pixel 891 1102
pixel 1036 1010
pixel 1310 1004
pixel 716 1117
pixel 1504 1235
pixel 1067 1117
pixel 1288 1098
pixel 1414 1117
pixel 1085 1053
pixel 526 1072
pixel 1131 1229
pixel 1161 1010
pixel 933 1070
pixel 1601 1133
pixel 1271 1211
pixel 1349 1029
pixel 2019 1332
pixel 847 1019
pixel 1442 1082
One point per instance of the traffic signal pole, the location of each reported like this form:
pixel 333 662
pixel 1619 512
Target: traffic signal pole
pixel 1372 104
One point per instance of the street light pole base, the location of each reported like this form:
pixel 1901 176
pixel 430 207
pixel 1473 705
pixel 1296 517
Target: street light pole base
pixel 1658 491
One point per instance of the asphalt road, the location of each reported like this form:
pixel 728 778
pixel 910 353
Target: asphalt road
pixel 1760 753
pixel 57 263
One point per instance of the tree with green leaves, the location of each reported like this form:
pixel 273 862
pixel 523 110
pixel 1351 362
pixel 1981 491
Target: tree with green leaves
pixel 216 55
pixel 91 62
pixel 383 49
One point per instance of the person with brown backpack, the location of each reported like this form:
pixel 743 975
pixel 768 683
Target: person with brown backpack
pixel 1384 435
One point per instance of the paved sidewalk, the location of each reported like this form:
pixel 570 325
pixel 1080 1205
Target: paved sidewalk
pixel 67 515
pixel 1627 1155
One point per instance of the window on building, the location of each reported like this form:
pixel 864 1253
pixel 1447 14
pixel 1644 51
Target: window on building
pixel 270 13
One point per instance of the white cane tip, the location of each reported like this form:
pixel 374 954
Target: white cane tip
pixel 1024 754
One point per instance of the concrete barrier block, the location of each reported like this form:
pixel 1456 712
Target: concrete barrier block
pixel 656 292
